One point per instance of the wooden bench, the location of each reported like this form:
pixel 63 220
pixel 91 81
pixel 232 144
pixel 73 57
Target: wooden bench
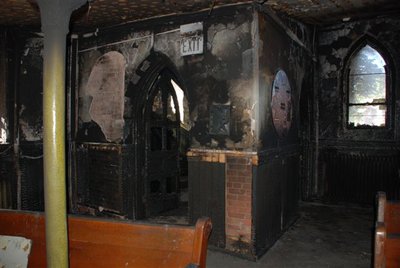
pixel 387 233
pixel 97 242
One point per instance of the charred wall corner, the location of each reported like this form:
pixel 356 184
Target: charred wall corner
pixel 351 159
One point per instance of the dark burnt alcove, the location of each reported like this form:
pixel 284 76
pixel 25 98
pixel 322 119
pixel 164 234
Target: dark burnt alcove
pixel 161 135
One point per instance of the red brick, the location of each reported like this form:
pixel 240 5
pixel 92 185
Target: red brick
pixel 238 167
pixel 236 160
pixel 243 197
pixel 237 185
pixel 246 222
pixel 235 203
pixel 236 215
pixel 243 210
pixel 232 196
pixel 236 191
pixel 232 233
pixel 234 210
pixel 236 179
pixel 233 226
pixel 231 172
pixel 244 173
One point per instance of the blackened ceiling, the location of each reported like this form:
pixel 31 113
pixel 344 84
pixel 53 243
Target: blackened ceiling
pixel 99 13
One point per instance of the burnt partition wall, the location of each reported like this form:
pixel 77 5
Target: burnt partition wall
pixel 21 120
pixel 129 144
pixel 238 133
pixel 356 161
pixel 285 66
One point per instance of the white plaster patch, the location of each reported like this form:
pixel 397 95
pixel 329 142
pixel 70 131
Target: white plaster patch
pixel 106 85
pixel 86 61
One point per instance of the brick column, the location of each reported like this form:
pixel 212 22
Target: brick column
pixel 238 217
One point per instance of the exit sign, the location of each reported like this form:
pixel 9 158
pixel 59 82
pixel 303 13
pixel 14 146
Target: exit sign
pixel 192 40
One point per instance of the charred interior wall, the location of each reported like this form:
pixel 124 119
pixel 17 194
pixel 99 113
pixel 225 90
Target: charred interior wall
pixel 21 112
pixel 30 122
pixel 355 163
pixel 277 176
pixel 218 84
pixel 251 168
pixel 6 150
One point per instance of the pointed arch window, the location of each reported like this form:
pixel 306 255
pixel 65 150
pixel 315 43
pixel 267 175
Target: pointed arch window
pixel 368 104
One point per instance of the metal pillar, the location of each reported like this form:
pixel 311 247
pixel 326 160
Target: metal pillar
pixel 55 16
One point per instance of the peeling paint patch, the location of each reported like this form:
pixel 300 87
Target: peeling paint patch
pixel 330 37
pixel 106 85
pixel 340 53
pixel 3 131
pixel 135 52
pixel 33 130
pixel 326 67
pixel 169 45
pixel 226 40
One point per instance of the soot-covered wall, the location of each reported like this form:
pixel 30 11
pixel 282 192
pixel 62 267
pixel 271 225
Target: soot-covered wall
pixel 252 168
pixel 277 175
pixel 219 85
pixel 355 163
pixel 21 119
pixel 222 75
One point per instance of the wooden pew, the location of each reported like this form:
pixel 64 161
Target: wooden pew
pixel 387 233
pixel 97 242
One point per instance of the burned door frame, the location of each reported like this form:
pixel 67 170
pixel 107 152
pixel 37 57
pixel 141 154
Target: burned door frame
pixel 141 94
pixel 161 148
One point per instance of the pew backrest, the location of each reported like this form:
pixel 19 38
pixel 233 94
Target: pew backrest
pixel 389 213
pixel 97 242
pixel 387 233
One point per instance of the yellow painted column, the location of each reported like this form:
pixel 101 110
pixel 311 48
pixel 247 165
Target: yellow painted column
pixel 55 16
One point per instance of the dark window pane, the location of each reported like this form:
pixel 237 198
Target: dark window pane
pixel 157 106
pixel 156 138
pixel 171 139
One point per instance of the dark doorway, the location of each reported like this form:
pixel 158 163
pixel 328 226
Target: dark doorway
pixel 163 140
pixel 162 154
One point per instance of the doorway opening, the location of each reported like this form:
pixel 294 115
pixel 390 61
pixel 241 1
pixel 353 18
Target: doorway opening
pixel 165 138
